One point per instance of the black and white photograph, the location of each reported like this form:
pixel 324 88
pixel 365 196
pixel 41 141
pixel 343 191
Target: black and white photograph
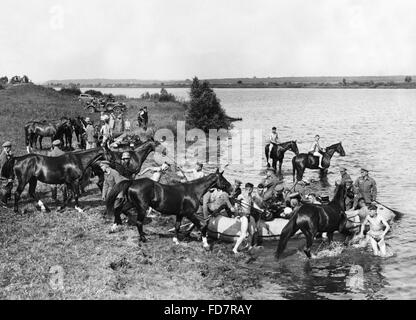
pixel 192 150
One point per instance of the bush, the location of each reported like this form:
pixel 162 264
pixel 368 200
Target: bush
pixel 94 93
pixel 163 96
pixel 205 111
pixel 71 90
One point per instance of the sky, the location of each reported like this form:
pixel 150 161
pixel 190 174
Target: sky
pixel 179 39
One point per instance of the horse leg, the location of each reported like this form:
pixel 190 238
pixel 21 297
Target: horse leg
pixel 267 156
pixel 300 173
pixel 280 167
pixel 141 214
pixel 40 142
pixel 17 195
pixel 32 193
pixel 75 190
pixel 177 228
pixel 203 229
pixel 309 233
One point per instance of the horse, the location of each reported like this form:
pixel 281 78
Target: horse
pixel 41 129
pixel 306 160
pixel 138 156
pixel 64 133
pixel 79 126
pixel 313 218
pixel 181 200
pixel 278 153
pixel 68 169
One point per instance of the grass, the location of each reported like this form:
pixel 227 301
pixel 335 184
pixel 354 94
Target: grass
pixel 95 263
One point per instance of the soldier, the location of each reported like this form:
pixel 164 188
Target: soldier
pixel 5 183
pixel 111 178
pixel 106 131
pixel 126 168
pixel 365 187
pixel 90 134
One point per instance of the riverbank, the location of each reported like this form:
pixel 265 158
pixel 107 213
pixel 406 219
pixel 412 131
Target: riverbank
pixel 72 255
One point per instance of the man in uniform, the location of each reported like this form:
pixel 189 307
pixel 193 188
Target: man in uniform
pixel 126 169
pixel 111 178
pixel 5 184
pixel 365 187
pixel 90 134
pixel 106 131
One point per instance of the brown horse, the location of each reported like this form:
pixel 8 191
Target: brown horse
pixel 68 169
pixel 181 200
pixel 42 129
pixel 306 160
pixel 313 218
pixel 278 153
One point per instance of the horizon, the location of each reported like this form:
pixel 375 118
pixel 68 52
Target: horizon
pixel 54 39
pixel 232 78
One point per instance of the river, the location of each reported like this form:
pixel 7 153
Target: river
pixel 377 130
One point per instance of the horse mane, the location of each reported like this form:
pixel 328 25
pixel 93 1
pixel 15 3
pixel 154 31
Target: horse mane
pixel 333 145
pixel 339 193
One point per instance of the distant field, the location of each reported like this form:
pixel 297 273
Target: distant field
pixel 21 103
pixel 356 81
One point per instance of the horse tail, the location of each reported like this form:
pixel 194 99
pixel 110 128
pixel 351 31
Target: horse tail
pixel 122 186
pixel 293 168
pixel 288 231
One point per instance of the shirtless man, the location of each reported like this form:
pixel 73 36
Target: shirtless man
pixel 273 140
pixel 244 213
pixel 316 150
pixel 376 233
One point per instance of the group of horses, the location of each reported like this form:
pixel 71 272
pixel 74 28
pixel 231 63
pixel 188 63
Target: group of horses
pixel 302 161
pixel 181 200
pixel 62 129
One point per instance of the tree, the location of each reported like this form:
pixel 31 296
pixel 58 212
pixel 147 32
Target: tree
pixel 205 111
pixel 408 79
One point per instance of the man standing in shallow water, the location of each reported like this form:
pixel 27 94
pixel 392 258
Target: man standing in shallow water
pixel 376 233
pixel 365 187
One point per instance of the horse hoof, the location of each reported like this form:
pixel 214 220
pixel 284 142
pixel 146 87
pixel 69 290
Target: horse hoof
pixel 114 228
pixel 143 239
pixel 79 209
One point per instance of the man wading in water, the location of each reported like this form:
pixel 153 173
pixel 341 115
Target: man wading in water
pixel 376 233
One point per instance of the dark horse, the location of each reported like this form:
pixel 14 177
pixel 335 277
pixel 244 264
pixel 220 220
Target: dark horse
pixel 79 126
pixel 312 218
pixel 66 169
pixel 181 200
pixel 41 129
pixel 138 156
pixel 306 160
pixel 278 153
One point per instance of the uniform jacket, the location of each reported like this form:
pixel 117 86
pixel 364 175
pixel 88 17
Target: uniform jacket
pixel 110 180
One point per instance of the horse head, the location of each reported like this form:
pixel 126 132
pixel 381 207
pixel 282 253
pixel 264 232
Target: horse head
pixel 294 147
pixel 340 149
pixel 340 196
pixel 222 183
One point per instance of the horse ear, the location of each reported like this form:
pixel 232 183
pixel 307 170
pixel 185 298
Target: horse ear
pixel 218 170
pixel 222 172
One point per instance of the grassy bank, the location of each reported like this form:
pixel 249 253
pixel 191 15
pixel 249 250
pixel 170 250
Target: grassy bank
pixel 94 263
